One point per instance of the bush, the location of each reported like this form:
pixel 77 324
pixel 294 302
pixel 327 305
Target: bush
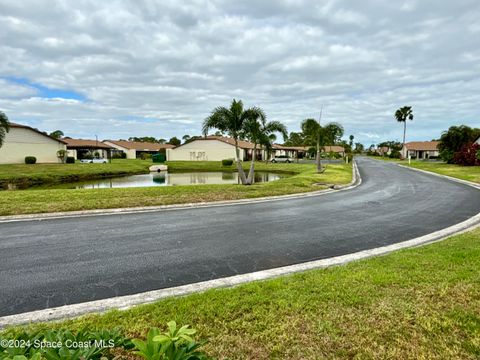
pixel 70 160
pixel 395 154
pixel 145 156
pixel 467 156
pixel 227 162
pixel 119 155
pixel 30 159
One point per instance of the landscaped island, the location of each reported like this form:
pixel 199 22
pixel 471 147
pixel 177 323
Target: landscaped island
pixel 304 179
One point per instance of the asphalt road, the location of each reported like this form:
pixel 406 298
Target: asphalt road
pixel 55 262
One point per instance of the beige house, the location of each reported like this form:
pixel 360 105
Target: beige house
pixel 22 141
pixel 212 148
pixel 83 148
pixel 134 149
pixel 420 149
pixel 335 149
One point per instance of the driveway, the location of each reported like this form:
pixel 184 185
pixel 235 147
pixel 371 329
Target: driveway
pixel 55 262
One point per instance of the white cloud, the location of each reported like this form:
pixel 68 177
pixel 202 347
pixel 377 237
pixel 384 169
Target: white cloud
pixel 167 64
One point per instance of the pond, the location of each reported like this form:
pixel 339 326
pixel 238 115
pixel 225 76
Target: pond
pixel 164 178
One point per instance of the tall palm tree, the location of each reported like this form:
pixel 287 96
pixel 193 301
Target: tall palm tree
pixel 402 115
pixel 259 132
pixel 232 121
pixel 4 126
pixel 319 136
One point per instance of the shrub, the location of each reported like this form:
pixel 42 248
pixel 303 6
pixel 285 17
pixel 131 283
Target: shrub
pixel 145 156
pixel 176 343
pixel 467 156
pixel 395 154
pixel 30 159
pixel 70 160
pixel 227 162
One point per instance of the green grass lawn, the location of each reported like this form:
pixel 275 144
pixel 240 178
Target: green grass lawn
pixel 470 173
pixel 420 303
pixel 52 200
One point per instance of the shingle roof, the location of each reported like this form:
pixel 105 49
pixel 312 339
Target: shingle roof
pixel 86 144
pixel 138 145
pixel 15 125
pixel 333 148
pixel 241 143
pixel 422 145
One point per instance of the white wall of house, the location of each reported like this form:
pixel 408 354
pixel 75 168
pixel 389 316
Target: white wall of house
pixel 131 153
pixel 419 154
pixel 203 150
pixel 21 142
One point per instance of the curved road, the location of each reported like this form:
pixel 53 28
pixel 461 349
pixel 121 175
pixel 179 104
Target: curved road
pixel 55 262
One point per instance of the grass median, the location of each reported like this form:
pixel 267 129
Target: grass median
pixel 304 179
pixel 420 303
pixel 469 173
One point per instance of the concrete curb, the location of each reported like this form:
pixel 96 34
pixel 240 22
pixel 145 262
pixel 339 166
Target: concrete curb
pixel 464 182
pixel 125 302
pixel 356 181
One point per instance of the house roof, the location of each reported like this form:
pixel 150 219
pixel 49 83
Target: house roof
pixel 333 148
pixel 422 145
pixel 138 145
pixel 84 144
pixel 15 125
pixel 297 148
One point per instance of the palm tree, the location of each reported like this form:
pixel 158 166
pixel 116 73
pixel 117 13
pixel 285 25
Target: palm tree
pixel 4 126
pixel 320 136
pixel 185 138
pixel 259 132
pixel 232 121
pixel 351 137
pixel 402 115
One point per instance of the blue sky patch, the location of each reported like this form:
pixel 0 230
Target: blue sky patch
pixel 46 92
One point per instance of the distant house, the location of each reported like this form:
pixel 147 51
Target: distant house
pixel 335 149
pixel 420 149
pixel 22 141
pixel 212 148
pixel 82 148
pixel 134 149
pixel 383 151
pixel 296 152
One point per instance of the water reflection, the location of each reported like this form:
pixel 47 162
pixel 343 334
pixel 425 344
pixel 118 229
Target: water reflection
pixel 164 178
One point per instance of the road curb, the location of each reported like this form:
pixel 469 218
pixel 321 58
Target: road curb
pixel 356 181
pixel 464 182
pixel 126 302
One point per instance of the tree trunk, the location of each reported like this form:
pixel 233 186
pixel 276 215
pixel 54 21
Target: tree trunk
pixel 404 131
pixel 317 160
pixel 251 173
pixel 241 173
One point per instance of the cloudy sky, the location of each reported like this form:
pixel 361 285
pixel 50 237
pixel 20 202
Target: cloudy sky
pixel 157 68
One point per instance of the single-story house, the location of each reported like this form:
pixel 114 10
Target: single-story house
pixel 134 149
pixel 296 152
pixel 383 151
pixel 420 149
pixel 299 152
pixel 82 148
pixel 335 149
pixel 23 140
pixel 213 148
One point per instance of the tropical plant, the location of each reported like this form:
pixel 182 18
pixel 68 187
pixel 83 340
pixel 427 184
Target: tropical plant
pixel 402 115
pixel 175 344
pixel 454 139
pixel 319 136
pixel 259 132
pixel 351 137
pixel 467 155
pixel 62 155
pixel 295 139
pixel 232 121
pixel 185 138
pixel 57 134
pixel 4 127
